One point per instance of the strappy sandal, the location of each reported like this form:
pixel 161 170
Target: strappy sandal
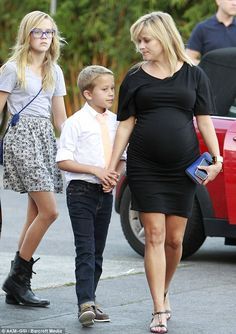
pixel 168 312
pixel 158 324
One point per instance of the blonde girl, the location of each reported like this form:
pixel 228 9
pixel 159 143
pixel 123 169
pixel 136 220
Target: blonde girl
pixel 30 145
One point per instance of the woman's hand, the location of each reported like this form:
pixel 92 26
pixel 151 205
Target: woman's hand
pixel 212 171
pixel 110 184
pixel 107 177
pixel 107 188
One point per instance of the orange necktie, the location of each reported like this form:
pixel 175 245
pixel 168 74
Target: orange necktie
pixel 106 140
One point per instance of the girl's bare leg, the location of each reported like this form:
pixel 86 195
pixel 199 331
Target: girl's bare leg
pixel 32 212
pixel 45 203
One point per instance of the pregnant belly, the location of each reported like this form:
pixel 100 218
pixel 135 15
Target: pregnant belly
pixel 164 141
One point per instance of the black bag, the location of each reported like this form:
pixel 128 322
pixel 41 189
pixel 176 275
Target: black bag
pixel 13 122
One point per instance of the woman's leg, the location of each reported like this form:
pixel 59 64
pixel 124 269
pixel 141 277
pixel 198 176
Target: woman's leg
pixel 175 228
pixel 155 263
pixel 45 204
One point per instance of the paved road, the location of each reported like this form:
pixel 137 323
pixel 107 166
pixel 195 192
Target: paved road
pixel 57 249
pixel 203 292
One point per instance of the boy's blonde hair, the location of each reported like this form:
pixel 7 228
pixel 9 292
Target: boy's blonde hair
pixel 162 27
pixel 21 51
pixel 87 77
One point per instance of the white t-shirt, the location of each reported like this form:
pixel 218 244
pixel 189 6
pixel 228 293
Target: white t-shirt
pixel 81 141
pixel 18 97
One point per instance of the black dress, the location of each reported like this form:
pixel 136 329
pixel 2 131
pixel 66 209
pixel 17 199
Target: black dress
pixel 164 142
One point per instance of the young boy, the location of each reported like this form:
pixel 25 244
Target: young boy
pixel 84 153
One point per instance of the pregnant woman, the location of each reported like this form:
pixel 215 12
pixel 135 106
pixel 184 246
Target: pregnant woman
pixel 157 102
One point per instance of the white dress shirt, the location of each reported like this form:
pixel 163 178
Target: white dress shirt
pixel 81 141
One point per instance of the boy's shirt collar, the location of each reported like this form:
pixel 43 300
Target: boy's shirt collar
pixel 92 111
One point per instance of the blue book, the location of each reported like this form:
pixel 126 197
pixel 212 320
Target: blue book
pixel 199 175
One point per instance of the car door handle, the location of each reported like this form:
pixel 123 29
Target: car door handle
pixel 234 138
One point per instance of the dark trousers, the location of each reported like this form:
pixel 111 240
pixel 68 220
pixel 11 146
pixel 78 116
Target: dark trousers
pixel 90 213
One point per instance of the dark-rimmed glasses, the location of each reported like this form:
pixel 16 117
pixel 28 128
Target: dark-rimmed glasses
pixel 39 33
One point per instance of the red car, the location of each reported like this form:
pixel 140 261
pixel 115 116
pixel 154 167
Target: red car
pixel 214 210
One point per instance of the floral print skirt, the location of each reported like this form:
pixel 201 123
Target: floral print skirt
pixel 30 157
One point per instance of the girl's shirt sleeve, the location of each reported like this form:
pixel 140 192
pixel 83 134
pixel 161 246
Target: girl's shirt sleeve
pixel 8 77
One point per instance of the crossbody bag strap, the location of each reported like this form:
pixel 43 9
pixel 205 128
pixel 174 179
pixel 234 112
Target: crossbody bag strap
pixel 15 117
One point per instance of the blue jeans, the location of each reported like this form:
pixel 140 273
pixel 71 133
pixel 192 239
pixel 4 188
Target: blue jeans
pixel 90 213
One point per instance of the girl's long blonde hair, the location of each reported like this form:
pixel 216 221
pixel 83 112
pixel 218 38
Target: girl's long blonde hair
pixel 162 27
pixel 21 51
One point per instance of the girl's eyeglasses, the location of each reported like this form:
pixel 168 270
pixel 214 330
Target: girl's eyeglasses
pixel 39 33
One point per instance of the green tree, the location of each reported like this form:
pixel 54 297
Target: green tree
pixel 97 32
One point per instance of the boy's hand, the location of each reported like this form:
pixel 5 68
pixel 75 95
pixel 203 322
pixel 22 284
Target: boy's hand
pixel 109 186
pixel 107 189
pixel 107 177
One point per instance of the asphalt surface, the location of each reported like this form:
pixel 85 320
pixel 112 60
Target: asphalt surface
pixel 203 301
pixel 202 294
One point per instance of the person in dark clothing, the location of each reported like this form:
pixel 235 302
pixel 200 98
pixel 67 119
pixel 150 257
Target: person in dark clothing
pixel 219 31
pixel 158 99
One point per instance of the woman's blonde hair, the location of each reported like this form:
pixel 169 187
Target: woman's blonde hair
pixel 21 51
pixel 162 27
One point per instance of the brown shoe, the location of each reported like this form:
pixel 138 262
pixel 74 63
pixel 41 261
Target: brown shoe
pixel 100 316
pixel 86 315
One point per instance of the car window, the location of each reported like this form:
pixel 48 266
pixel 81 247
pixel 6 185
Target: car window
pixel 232 110
pixel 220 67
